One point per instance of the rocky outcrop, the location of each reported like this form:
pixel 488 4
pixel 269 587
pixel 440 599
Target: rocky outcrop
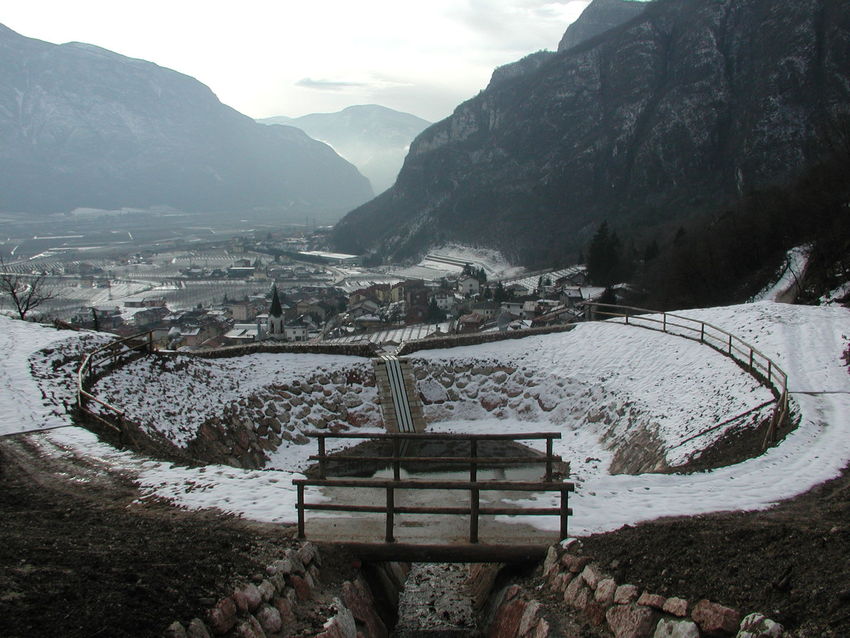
pixel 81 126
pixel 599 16
pixel 679 111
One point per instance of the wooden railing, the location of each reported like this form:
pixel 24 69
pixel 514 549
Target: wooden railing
pixel 762 367
pixel 473 486
pixel 113 354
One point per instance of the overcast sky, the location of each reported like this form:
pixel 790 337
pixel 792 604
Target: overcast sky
pixel 283 57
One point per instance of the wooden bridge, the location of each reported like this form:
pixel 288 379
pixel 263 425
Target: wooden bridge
pixel 373 528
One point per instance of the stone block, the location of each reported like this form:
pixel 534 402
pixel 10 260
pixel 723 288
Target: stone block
pixel 652 600
pixel 631 621
pixel 269 619
pixel 626 594
pixel 175 630
pixel 222 617
pixel 307 553
pixel 605 591
pixel 595 613
pixel 670 628
pixel 591 575
pixel 358 599
pixel 577 594
pixel 247 598
pixel 301 587
pixel 574 563
pixel 267 590
pixel 529 619
pixel 197 629
pixel 550 564
pixel 286 610
pixel 676 607
pixel 758 626
pixel 715 619
pixel 560 582
pixel 249 628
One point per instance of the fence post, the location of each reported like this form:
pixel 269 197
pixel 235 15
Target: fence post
pixel 396 461
pixel 474 497
pixel 664 322
pixel 322 461
pixel 730 345
pixel 473 466
pixel 300 510
pixel 701 332
pixel 564 514
pixel 751 360
pixel 627 316
pixel 548 460
pixel 769 370
pixel 390 512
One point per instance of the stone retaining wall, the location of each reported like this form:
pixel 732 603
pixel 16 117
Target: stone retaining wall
pixel 623 609
pixel 454 341
pixel 280 602
pixel 351 350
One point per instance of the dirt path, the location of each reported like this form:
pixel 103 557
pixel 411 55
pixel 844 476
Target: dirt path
pixel 80 557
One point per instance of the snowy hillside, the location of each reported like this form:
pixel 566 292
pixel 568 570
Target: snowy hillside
pixel 578 382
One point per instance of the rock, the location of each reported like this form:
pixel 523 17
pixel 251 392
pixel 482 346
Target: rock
pixel 714 619
pixel 286 611
pixel 508 618
pixel 670 628
pixel 301 587
pixel 249 628
pixel 652 600
pixel 605 591
pixel 307 553
pixel 577 594
pixel 574 563
pixel 282 566
pixel 340 626
pixel 551 562
pixel 529 619
pixel 358 599
pixel 197 629
pixel 757 626
pixel 591 575
pixel 297 565
pixel 175 630
pixel 625 594
pixel 247 598
pixel 595 613
pixel 631 621
pixel 267 590
pixel 561 581
pixel 541 630
pixel 676 607
pixel 269 619
pixel 222 617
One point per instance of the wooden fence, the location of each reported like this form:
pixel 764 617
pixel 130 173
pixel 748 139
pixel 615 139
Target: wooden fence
pixel 98 361
pixel 752 360
pixel 474 486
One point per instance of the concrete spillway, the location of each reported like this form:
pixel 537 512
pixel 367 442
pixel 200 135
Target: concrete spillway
pixel 400 404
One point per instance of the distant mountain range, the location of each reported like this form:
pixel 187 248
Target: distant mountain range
pixel 681 109
pixel 81 126
pixel 373 138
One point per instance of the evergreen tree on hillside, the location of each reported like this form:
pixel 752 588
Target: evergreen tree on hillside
pixel 604 257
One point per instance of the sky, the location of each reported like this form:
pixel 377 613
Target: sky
pixel 282 57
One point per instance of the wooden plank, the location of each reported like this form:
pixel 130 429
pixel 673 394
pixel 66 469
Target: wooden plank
pixel 425 436
pixel 458 460
pixel 503 486
pixel 458 553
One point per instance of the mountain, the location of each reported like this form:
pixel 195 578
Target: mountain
pixel 81 126
pixel 373 138
pixel 600 16
pixel 678 111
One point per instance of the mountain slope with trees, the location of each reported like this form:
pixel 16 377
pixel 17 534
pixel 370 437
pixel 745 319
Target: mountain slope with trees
pixel 81 126
pixel 680 112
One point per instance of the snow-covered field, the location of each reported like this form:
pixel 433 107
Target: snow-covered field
pixel 676 386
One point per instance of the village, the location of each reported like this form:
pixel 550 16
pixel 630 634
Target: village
pixel 282 288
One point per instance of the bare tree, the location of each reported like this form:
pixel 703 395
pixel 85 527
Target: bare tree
pixel 27 292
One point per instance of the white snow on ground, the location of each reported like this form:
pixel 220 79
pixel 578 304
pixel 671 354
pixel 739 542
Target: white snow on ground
pixel 492 261
pixel 789 276
pixel 808 342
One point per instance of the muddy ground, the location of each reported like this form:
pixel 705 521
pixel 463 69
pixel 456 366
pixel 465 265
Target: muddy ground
pixel 79 556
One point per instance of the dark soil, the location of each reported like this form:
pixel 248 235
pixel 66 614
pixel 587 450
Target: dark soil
pixel 78 557
pixel 791 563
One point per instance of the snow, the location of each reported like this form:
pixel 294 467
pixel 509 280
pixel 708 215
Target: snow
pixel 675 385
pixel 788 277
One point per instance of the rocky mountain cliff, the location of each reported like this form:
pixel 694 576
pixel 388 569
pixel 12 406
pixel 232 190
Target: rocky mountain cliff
pixel 600 16
pixel 84 127
pixel 373 138
pixel 680 110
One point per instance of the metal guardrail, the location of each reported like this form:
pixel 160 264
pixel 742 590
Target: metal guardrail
pixel 759 365
pixel 474 486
